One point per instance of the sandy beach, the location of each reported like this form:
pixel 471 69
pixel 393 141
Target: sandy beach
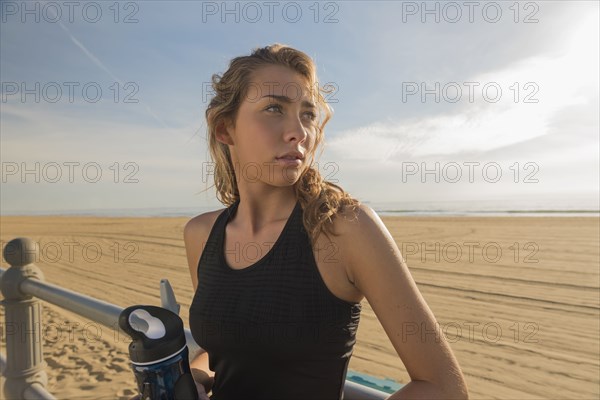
pixel 517 297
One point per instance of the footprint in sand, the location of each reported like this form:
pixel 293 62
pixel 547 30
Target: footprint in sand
pixel 126 393
pixel 101 377
pixel 117 368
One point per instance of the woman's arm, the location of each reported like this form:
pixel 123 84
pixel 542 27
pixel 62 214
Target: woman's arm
pixel 378 270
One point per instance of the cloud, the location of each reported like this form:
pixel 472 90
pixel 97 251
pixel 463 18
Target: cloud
pixel 519 105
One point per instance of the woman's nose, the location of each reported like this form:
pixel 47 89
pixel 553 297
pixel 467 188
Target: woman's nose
pixel 296 130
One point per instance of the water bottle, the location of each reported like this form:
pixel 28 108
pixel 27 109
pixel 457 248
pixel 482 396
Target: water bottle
pixel 158 353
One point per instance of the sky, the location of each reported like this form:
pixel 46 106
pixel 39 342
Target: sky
pixel 103 103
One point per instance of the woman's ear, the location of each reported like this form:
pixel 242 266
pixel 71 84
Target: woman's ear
pixel 223 133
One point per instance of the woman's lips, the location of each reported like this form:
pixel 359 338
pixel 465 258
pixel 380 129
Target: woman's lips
pixel 289 161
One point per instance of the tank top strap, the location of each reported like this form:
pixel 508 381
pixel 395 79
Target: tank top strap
pixel 210 255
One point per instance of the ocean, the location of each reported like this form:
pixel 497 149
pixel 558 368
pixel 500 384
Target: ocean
pixel 484 208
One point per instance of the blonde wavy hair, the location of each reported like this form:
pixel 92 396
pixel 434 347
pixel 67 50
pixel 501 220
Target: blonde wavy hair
pixel 320 200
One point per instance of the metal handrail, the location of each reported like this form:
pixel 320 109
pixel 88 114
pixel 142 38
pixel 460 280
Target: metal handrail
pixel 2 363
pixel 37 391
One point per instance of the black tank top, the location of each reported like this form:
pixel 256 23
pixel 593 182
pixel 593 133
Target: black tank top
pixel 272 330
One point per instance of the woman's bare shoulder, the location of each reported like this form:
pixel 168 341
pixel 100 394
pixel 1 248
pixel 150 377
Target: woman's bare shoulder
pixel 354 229
pixel 351 220
pixel 201 224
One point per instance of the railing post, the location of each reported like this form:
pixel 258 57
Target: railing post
pixel 23 323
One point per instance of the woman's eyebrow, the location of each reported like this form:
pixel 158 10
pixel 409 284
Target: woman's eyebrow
pixel 285 99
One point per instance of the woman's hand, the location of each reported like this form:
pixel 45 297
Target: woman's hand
pixel 201 391
pixel 199 387
pixel 203 381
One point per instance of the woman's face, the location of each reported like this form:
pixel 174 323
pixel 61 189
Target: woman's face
pixel 277 116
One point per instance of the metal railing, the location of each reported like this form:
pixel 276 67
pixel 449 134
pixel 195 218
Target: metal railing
pixel 23 286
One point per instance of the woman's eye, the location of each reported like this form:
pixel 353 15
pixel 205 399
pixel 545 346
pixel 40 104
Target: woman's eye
pixel 311 115
pixel 273 106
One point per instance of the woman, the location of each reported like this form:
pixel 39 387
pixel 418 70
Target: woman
pixel 280 273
